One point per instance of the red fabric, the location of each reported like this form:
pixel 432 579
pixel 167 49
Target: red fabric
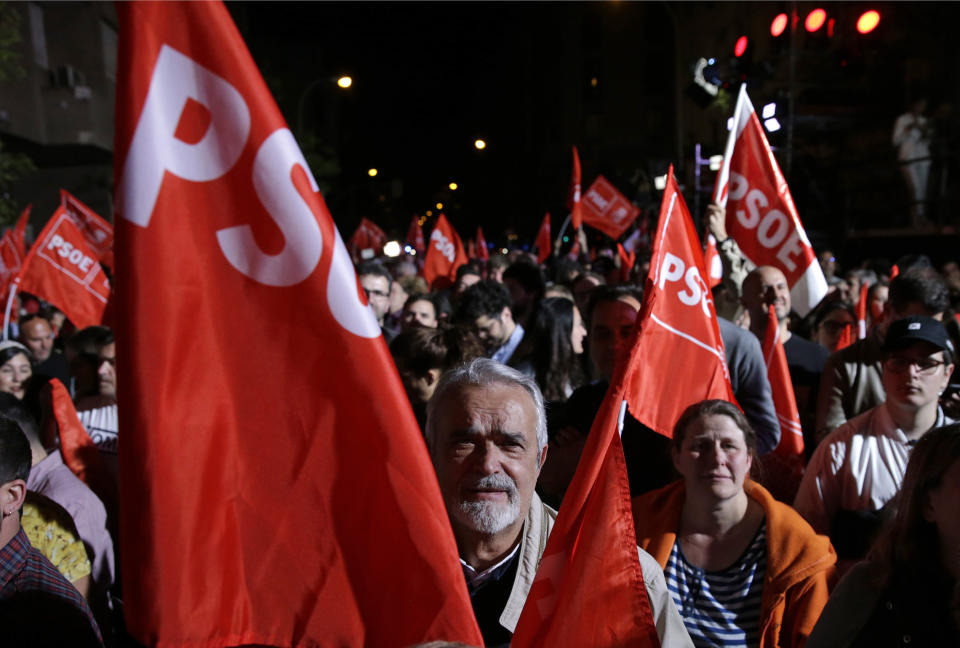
pixel 444 255
pixel 64 271
pixel 275 488
pixel 573 198
pixel 544 243
pixel 712 262
pixel 679 351
pixel 80 453
pixel 626 262
pixel 846 338
pixel 789 451
pixel 98 232
pixel 13 250
pixel 415 235
pixel 894 271
pixel 761 216
pixel 861 311
pixel 368 236
pixel 589 589
pixel 471 249
pixel 607 209
pixel 574 250
pixel 483 252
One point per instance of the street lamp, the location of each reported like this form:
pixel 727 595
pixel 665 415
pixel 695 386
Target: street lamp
pixel 480 144
pixel 343 82
pixel 453 186
pixel 372 173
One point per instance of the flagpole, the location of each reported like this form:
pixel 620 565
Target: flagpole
pixel 6 313
pixel 563 228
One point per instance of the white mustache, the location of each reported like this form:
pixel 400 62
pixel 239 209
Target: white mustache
pixel 496 481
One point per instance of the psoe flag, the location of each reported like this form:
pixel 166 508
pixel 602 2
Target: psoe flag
pixel 607 209
pixel 761 216
pixel 275 488
pixel 62 269
pixel 679 352
pixel 445 253
pixel 97 231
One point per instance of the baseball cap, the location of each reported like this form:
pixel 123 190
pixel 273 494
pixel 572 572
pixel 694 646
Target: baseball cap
pixel 916 328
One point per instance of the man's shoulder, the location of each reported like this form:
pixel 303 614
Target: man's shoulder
pixel 866 424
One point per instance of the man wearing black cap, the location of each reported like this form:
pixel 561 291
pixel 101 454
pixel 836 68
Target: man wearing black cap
pixel 859 467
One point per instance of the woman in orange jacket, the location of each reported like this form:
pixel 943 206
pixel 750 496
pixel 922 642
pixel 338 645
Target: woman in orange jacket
pixel 743 568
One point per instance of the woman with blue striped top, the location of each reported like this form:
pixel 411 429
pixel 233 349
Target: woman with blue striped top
pixel 743 568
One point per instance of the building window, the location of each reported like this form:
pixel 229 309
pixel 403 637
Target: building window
pixel 108 38
pixel 38 36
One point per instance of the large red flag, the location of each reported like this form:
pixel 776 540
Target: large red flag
pixel 64 271
pixel 761 216
pixel 415 236
pixel 679 350
pixel 589 589
pixel 786 468
pixel 573 197
pixel 260 404
pixel 544 243
pixel 97 231
pixel 483 252
pixel 367 241
pixel 607 209
pixel 13 249
pixel 444 255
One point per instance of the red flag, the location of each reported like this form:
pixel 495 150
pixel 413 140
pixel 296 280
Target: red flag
pixel 679 350
pixel 444 255
pixel 367 241
pixel 761 216
pixel 861 311
pixel 589 589
pixel 243 527
pixel 13 249
pixel 713 262
pixel 846 338
pixel 894 271
pixel 544 243
pixel 574 252
pixel 415 235
pixel 97 231
pixel 63 270
pixel 573 197
pixel 483 252
pixel 785 465
pixel 626 262
pixel 607 209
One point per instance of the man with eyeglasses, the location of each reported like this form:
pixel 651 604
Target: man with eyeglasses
pixel 859 467
pixel 377 282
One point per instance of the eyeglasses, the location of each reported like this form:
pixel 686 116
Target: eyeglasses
pixel 376 293
pixel 899 364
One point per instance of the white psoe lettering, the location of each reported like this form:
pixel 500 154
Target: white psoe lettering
pixel 673 269
pixel 773 227
pixel 66 250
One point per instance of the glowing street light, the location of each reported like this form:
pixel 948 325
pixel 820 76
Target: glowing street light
pixel 392 249
pixel 453 186
pixel 439 205
pixel 480 144
pixel 345 82
pixel 868 21
pixel 372 173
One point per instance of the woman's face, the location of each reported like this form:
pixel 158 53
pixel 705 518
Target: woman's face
pixel 830 329
pixel 878 302
pixel 714 459
pixel 14 374
pixel 578 333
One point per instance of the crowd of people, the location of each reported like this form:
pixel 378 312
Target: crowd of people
pixel 859 548
pixel 506 368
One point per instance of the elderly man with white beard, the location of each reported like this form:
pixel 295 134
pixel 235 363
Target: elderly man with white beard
pixel 487 433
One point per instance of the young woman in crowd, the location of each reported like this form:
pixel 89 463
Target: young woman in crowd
pixel 743 568
pixel 908 591
pixel 832 317
pixel 423 354
pixel 16 368
pixel 551 343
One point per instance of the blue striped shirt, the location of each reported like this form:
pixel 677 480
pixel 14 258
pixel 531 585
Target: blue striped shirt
pixel 720 608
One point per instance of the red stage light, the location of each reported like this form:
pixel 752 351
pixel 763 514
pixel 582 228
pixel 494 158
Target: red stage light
pixel 740 47
pixel 868 21
pixel 815 20
pixel 778 25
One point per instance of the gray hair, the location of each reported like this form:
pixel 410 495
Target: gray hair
pixel 483 372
